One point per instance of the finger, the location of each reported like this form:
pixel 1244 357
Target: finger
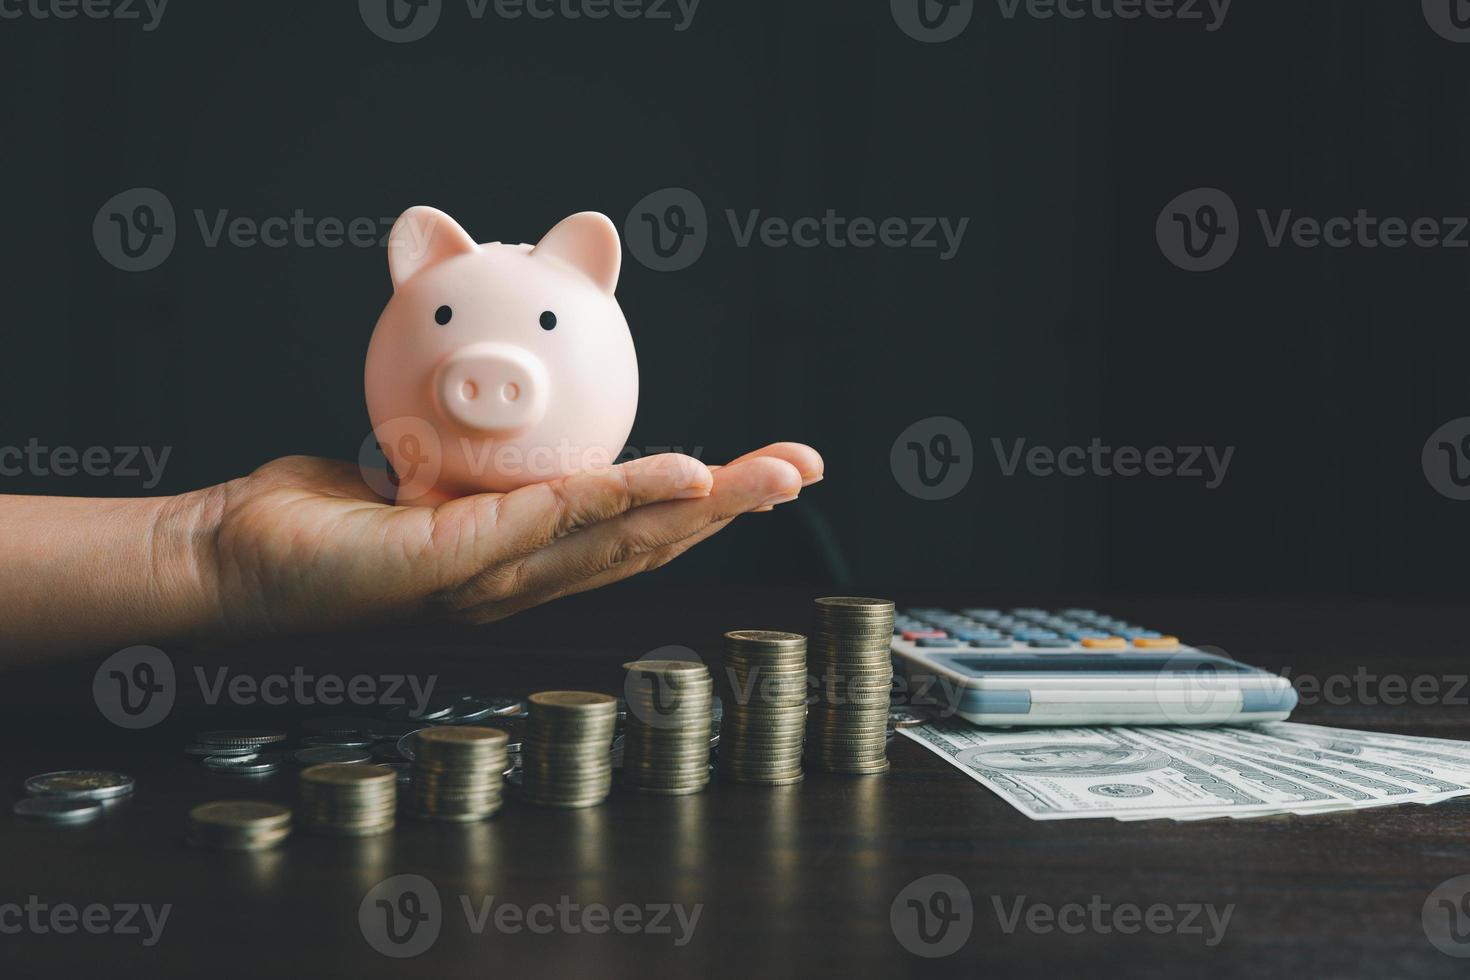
pixel 510 526
pixel 738 488
pixel 808 461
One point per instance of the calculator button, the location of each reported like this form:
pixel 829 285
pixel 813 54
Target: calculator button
pixel 1037 635
pixel 924 634
pixel 1051 643
pixel 1156 642
pixel 936 641
pixel 1104 643
pixel 1088 635
pixel 993 643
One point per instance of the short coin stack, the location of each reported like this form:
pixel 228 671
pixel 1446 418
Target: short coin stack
pixel 852 673
pixel 666 748
pixel 348 800
pixel 458 772
pixel 763 688
pixel 567 759
pixel 239 825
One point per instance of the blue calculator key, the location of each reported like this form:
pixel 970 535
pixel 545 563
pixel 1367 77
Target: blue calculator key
pixel 934 641
pixel 981 613
pixel 1057 642
pixel 1089 635
pixel 1029 635
pixel 996 643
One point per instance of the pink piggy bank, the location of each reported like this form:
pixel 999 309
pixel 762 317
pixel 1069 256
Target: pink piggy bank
pixel 495 366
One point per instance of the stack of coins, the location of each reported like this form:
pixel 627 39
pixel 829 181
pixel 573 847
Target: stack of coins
pixel 458 772
pixel 763 686
pixel 666 747
pixel 239 825
pixel 852 674
pixel 348 800
pixel 567 759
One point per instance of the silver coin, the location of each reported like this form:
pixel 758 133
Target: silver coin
pixel 320 754
pixel 240 737
pixel 55 809
pixel 81 784
pixel 405 744
pixel 432 710
pixel 341 741
pixel 201 748
pixel 249 765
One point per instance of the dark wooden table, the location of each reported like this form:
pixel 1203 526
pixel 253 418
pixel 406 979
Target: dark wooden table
pixel 792 881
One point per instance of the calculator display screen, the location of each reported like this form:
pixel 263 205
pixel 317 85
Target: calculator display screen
pixel 1127 663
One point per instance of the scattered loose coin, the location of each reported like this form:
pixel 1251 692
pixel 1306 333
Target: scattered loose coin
pixel 239 825
pixel 57 809
pixel 324 754
pixel 81 784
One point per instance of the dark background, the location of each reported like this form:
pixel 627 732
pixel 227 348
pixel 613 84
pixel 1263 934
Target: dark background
pixel 1058 321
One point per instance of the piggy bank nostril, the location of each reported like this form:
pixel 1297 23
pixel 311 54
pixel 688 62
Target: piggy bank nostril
pixel 470 391
pixel 511 392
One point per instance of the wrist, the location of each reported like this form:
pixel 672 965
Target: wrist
pixel 183 530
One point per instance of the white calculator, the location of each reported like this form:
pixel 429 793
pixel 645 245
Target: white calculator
pixel 1073 667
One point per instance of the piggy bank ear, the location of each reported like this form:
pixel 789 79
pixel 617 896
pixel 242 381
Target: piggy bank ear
pixel 421 237
pixel 588 241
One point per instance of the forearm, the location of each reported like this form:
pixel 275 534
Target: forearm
pixel 83 576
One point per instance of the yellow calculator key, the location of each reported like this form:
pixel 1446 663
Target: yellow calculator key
pixel 1105 643
pixel 1156 642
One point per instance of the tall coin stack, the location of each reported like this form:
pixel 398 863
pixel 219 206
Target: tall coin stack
pixel 459 772
pixel 348 799
pixel 763 687
pixel 852 674
pixel 666 747
pixel 567 759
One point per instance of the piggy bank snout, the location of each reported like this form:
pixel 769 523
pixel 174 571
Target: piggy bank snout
pixel 494 388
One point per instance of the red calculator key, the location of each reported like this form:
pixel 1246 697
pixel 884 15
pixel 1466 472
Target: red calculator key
pixel 912 635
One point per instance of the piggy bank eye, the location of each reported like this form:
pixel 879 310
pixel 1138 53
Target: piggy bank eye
pixel 548 320
pixel 443 315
